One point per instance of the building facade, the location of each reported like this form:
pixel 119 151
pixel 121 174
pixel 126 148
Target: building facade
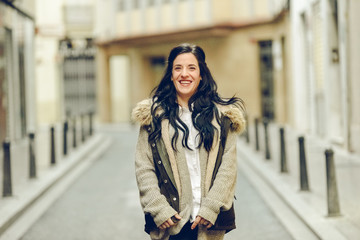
pixel 16 70
pixel 294 62
pixel 65 59
pixel 245 41
pixel 17 81
pixel 325 70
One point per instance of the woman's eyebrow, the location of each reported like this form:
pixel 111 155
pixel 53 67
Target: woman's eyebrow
pixel 191 64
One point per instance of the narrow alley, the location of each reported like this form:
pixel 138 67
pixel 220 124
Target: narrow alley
pixel 103 203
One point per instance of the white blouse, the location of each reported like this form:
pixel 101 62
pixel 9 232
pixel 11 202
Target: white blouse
pixel 193 161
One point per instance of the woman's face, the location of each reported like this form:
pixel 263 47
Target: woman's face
pixel 186 75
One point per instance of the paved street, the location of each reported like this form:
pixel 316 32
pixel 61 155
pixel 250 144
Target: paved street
pixel 103 203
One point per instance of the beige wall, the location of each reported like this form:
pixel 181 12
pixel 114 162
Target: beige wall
pixel 103 86
pixel 119 86
pixel 233 61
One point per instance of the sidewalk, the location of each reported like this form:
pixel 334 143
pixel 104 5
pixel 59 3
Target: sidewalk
pixel 310 206
pixel 27 192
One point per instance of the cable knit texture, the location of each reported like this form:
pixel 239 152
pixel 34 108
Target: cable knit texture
pixel 219 197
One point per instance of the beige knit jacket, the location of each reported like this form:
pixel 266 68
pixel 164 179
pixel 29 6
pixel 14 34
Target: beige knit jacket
pixel 219 197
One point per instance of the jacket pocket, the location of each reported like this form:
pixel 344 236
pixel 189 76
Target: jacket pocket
pixel 225 220
pixel 150 225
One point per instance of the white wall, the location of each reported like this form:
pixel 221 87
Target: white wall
pixel 298 117
pixel 50 24
pixel 49 21
pixel 320 84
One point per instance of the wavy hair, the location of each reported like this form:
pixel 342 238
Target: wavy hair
pixel 201 104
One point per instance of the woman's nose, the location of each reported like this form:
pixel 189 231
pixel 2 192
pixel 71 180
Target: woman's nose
pixel 184 73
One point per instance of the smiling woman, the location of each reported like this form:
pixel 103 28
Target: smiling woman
pixel 186 175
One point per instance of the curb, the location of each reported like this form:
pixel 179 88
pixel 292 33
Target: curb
pixel 317 223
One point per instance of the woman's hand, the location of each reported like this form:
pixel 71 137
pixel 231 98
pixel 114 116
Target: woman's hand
pixel 201 220
pixel 168 223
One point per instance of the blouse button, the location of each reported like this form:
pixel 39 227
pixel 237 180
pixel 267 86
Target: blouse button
pixel 159 162
pixel 165 181
pixel 174 198
pixel 153 145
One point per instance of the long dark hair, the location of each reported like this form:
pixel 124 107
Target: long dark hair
pixel 201 104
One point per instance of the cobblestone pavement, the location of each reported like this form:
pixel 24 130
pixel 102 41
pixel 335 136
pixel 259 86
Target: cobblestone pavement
pixel 103 203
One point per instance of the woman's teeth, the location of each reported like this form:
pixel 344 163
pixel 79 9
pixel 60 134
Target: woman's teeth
pixel 185 82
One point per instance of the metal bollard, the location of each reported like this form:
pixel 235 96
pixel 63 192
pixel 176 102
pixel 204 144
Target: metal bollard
pixel 283 163
pixel 74 133
pixel 304 184
pixel 332 192
pixel 257 134
pixel 267 148
pixel 32 161
pixel 7 185
pixel 82 128
pixel 91 123
pixel 65 130
pixel 52 146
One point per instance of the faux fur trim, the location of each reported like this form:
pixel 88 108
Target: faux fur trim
pixel 236 116
pixel 142 115
pixel 142 112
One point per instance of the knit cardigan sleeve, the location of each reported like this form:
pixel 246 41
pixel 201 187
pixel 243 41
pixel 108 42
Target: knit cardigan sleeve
pixel 152 201
pixel 221 194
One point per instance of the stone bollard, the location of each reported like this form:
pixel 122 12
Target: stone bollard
pixel 283 163
pixel 7 185
pixel 266 134
pixel 332 192
pixel 91 114
pixel 304 184
pixel 65 130
pixel 32 160
pixel 257 134
pixel 52 146
pixel 74 133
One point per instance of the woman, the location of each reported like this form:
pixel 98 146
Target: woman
pixel 183 189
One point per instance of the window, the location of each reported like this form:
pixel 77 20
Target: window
pixel 266 78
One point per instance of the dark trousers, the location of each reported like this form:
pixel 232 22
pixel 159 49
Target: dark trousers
pixel 186 233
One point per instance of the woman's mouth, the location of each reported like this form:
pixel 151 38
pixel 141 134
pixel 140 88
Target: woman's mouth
pixel 185 82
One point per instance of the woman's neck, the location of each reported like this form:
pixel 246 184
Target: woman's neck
pixel 183 102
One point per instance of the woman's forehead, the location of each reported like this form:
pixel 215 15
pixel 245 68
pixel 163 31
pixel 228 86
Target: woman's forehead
pixel 186 58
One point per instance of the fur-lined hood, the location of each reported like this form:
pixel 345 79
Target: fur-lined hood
pixel 142 114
